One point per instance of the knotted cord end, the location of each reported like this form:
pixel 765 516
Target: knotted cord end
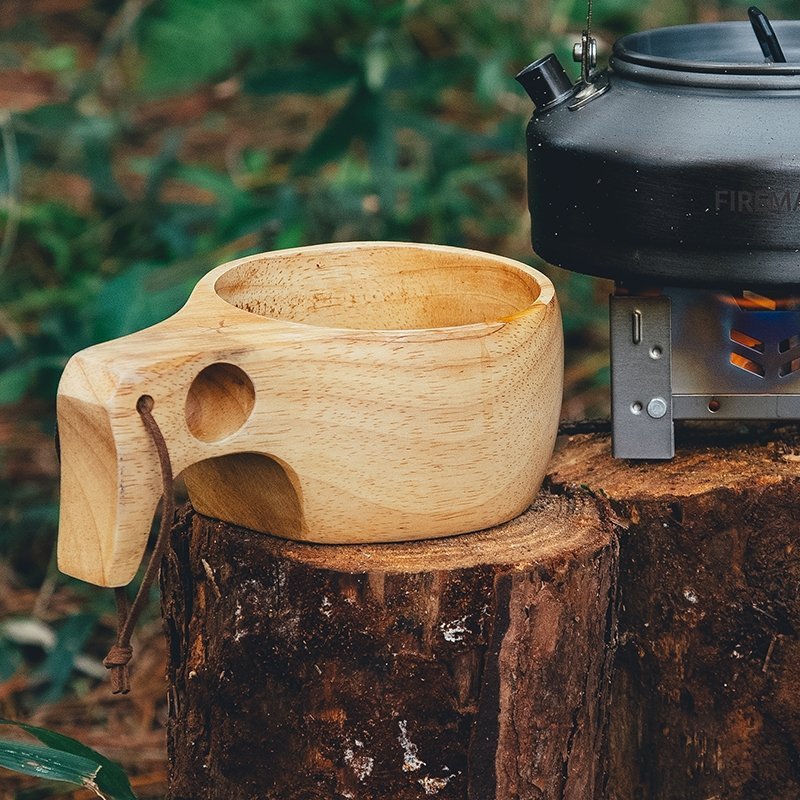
pixel 117 661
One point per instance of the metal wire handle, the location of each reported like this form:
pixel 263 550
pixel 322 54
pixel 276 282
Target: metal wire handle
pixel 589 19
pixel 585 51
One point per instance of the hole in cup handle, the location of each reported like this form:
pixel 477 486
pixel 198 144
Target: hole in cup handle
pixel 219 402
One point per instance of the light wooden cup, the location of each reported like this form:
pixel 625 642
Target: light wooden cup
pixel 358 392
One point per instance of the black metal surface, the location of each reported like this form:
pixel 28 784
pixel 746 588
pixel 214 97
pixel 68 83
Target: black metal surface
pixel 687 172
pixel 766 36
pixel 719 48
pixel 546 82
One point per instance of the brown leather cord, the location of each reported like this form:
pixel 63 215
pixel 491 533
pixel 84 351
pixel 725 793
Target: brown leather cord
pixel 127 615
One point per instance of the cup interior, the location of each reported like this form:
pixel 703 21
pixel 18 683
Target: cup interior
pixel 380 286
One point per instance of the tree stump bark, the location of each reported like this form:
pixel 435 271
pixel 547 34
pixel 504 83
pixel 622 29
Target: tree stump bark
pixel 470 667
pixel 706 691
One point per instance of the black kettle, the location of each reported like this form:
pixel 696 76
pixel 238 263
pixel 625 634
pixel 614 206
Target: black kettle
pixel 679 164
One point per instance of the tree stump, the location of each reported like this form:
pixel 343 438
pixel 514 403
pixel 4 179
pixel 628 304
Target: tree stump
pixel 475 666
pixel 706 691
pixel 634 636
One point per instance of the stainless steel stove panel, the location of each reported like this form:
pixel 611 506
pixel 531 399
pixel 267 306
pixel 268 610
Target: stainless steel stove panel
pixel 699 354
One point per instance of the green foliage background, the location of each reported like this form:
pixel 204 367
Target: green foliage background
pixel 176 134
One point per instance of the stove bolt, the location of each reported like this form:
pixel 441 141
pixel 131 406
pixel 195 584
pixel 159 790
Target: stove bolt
pixel 657 407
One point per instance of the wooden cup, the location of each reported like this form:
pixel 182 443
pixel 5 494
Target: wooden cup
pixel 356 392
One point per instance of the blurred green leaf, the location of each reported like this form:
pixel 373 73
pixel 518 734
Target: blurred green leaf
pixel 312 78
pixel 355 120
pixel 70 640
pixel 14 383
pixel 491 79
pixel 125 304
pixel 61 58
pixel 63 758
pixel 44 762
pixel 175 28
pixel 10 660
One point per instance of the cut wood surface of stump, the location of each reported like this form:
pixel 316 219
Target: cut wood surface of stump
pixel 634 636
pixel 475 666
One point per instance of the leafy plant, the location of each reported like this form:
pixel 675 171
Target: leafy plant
pixel 61 758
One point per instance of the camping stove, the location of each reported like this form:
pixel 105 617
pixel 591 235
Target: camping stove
pixel 676 173
pixel 699 354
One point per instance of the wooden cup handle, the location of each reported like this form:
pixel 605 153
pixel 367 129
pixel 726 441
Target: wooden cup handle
pixel 110 478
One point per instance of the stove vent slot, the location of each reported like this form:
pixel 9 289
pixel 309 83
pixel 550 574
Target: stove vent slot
pixel 747 364
pixel 752 301
pixel 750 342
pixel 789 368
pixel 789 344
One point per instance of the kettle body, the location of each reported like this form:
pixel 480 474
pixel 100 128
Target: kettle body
pixel 686 171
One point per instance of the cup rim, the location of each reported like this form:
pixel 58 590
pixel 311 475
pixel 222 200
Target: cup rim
pixel 544 298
